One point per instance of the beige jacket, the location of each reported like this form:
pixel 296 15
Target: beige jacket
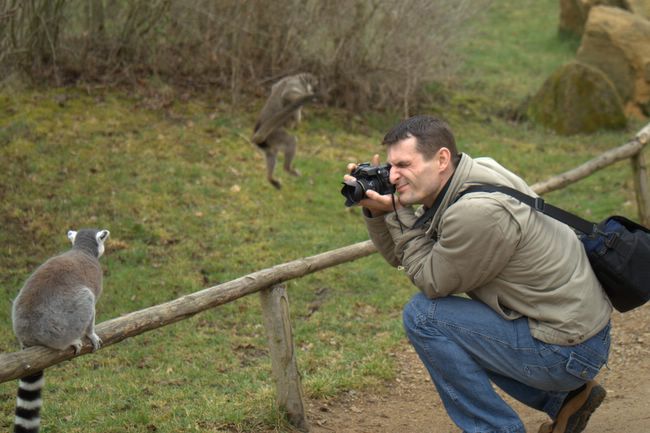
pixel 500 251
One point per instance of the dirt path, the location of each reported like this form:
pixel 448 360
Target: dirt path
pixel 410 404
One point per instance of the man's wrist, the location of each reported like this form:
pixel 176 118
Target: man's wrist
pixel 373 213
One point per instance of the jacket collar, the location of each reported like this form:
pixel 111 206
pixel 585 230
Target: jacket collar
pixel 452 188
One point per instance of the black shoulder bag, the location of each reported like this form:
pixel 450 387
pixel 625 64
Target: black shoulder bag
pixel 618 249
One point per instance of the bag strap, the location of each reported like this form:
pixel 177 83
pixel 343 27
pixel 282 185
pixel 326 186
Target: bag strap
pixel 537 203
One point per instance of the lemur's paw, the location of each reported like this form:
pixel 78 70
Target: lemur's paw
pixel 77 344
pixel 96 341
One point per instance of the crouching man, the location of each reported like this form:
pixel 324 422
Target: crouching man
pixel 535 321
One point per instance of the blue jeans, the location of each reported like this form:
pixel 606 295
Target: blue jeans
pixel 466 346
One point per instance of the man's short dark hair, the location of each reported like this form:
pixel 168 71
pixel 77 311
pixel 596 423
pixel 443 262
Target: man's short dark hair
pixel 431 135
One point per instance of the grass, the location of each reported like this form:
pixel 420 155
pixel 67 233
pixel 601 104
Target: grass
pixel 510 56
pixel 188 206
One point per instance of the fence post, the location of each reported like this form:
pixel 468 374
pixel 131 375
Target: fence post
pixel 275 310
pixel 640 170
pixel 641 176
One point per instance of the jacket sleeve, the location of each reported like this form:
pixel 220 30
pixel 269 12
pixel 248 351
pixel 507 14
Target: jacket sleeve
pixel 476 242
pixel 381 238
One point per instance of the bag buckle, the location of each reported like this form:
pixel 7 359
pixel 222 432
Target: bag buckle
pixel 611 239
pixel 539 204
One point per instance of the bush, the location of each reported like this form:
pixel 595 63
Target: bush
pixel 371 54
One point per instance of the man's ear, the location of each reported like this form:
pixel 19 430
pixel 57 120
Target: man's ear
pixel 444 158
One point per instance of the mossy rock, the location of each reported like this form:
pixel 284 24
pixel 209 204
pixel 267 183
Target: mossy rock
pixel 577 98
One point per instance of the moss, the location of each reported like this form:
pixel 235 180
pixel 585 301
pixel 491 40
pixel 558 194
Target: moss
pixel 577 98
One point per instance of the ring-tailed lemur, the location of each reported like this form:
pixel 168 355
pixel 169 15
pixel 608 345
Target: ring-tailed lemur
pixel 283 106
pixel 56 308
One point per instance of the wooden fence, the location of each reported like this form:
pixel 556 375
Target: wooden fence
pixel 633 150
pixel 274 298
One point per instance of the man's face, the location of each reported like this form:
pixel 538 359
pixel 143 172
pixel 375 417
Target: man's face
pixel 416 180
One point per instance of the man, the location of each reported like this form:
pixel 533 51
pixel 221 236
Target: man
pixel 535 321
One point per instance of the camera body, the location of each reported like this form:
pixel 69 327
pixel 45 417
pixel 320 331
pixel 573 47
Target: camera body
pixel 368 176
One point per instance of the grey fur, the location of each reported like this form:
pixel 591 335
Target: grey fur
pixel 56 306
pixel 282 108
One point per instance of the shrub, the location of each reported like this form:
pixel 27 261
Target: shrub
pixel 370 53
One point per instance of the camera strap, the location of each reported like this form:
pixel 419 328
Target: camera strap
pixel 429 213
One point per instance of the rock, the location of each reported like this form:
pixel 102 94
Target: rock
pixel 618 43
pixel 577 98
pixel 574 13
pixel 639 7
pixel 572 17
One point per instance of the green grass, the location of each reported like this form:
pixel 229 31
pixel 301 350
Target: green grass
pixel 516 47
pixel 188 207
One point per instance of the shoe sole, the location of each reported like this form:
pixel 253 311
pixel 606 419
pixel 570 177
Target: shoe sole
pixel 574 416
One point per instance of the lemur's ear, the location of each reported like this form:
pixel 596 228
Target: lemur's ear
pixel 102 235
pixel 72 235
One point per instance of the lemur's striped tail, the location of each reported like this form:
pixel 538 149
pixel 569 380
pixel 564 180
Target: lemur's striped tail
pixel 28 404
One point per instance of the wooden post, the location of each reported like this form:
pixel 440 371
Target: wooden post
pixel 641 186
pixel 275 309
pixel 641 177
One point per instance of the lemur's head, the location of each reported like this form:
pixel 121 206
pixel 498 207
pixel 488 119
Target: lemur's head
pixel 310 81
pixel 90 240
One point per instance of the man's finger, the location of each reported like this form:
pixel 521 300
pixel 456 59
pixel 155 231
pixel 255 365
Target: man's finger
pixel 376 201
pixel 374 195
pixel 375 159
pixel 351 166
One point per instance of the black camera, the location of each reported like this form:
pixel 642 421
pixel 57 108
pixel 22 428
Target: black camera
pixel 374 177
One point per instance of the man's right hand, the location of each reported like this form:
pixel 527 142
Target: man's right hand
pixel 376 203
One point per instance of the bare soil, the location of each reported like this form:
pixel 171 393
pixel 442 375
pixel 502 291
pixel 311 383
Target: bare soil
pixel 410 404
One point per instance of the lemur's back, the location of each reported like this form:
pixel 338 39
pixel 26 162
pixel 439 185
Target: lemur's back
pixel 56 308
pixel 283 93
pixel 282 108
pixel 57 301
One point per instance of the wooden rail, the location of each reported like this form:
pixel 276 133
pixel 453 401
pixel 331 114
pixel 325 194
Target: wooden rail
pixel 633 150
pixel 25 362
pixel 19 364
pixel 275 301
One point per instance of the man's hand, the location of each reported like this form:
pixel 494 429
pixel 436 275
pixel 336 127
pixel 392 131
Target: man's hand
pixel 376 203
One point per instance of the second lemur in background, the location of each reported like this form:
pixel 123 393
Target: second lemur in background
pixel 56 308
pixel 282 108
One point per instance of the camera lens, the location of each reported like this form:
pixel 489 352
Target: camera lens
pixel 354 192
pixel 367 177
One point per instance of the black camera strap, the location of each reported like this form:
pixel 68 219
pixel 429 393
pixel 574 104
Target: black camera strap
pixel 538 204
pixel 429 213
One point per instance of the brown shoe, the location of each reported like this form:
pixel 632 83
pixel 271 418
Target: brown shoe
pixel 576 410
